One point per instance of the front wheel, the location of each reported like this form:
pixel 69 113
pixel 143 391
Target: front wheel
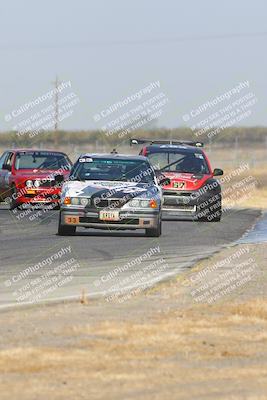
pixel 217 217
pixel 13 200
pixel 210 210
pixel 154 232
pixel 65 230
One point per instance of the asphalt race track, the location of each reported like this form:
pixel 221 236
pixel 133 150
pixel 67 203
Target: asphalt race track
pixel 37 265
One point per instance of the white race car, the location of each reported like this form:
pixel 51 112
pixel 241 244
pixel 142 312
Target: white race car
pixel 111 191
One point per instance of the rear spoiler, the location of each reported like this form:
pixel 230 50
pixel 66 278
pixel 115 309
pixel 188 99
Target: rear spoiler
pixel 165 141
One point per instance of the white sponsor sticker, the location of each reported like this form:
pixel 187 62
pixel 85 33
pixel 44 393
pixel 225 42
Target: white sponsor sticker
pixel 85 159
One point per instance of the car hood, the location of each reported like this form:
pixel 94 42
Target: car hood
pixel 33 174
pixel 39 173
pixel 106 189
pixel 185 181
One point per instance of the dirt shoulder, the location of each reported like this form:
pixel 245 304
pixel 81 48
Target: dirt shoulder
pixel 192 337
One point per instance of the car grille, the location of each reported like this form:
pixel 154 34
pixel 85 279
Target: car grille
pixel 47 184
pixel 109 203
pixel 173 193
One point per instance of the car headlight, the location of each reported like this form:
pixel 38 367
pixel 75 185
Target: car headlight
pixel 139 203
pixel 37 183
pixel 84 201
pixel 133 203
pixel 144 203
pixel 29 183
pixel 77 201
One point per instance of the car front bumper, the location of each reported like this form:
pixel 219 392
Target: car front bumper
pixel 40 195
pixel 177 203
pixel 187 204
pixel 127 219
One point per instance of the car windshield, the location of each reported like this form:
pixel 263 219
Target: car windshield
pixel 105 169
pixel 42 160
pixel 179 161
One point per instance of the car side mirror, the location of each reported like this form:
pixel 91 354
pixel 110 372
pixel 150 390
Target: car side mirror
pixel 59 179
pixel 6 167
pixel 164 181
pixel 217 172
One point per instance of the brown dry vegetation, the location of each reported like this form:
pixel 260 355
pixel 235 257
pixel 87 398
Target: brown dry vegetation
pixel 240 135
pixel 160 345
pixel 215 352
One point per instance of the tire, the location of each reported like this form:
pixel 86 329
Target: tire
pixel 65 230
pixel 154 232
pixel 218 217
pixel 211 215
pixel 13 203
pixel 210 218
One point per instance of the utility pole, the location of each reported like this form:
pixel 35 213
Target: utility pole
pixel 56 84
pixel 236 149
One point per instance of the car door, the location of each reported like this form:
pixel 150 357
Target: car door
pixel 5 174
pixel 2 172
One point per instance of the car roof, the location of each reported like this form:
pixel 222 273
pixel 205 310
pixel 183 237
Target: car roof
pixel 35 150
pixel 154 148
pixel 114 156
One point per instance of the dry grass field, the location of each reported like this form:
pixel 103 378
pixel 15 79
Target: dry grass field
pixel 159 345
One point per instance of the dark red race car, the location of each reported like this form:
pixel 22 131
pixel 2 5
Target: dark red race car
pixel 190 190
pixel 28 176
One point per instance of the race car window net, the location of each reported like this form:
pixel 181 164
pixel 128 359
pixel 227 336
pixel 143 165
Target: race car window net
pixel 40 160
pixel 179 162
pixel 2 159
pixel 9 159
pixel 113 170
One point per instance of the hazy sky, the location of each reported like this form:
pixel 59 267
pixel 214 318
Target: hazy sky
pixel 111 49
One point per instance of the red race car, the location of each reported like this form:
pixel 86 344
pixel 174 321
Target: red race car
pixel 28 176
pixel 190 189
